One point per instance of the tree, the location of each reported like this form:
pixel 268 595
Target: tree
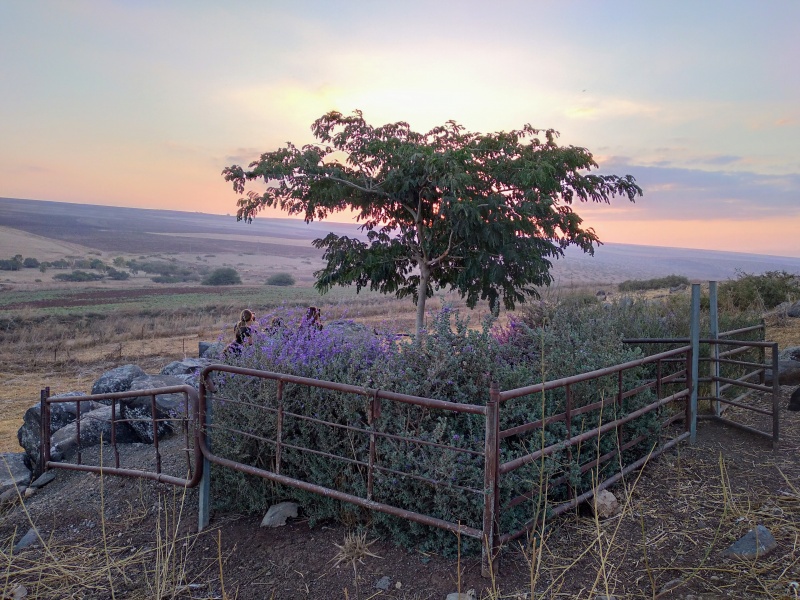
pixel 222 276
pixel 481 214
pixel 281 279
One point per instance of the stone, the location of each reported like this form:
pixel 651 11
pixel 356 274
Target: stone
pixel 30 538
pixel 14 473
pixel 278 513
pixel 95 425
pixel 117 380
pixel 187 366
pixel 794 310
pixel 43 480
pixel 11 496
pixel 605 504
pixel 755 543
pixel 213 351
pixel 788 373
pixel 790 353
pixel 794 401
pixel 61 414
pixel 139 410
pixel 470 595
pixel 384 583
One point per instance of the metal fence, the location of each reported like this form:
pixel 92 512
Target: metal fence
pixel 534 451
pixel 502 488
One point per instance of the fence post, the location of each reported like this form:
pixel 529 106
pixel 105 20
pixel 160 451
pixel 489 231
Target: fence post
pixel 776 396
pixel 490 484
pixel 695 337
pixel 44 431
pixel 713 315
pixel 204 422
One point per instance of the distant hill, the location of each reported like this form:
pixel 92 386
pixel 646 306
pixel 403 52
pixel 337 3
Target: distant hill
pixel 134 230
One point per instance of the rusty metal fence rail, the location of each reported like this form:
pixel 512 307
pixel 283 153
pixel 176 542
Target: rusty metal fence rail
pixel 159 426
pixel 644 381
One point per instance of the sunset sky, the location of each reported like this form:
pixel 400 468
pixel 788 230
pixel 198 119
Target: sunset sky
pixel 143 103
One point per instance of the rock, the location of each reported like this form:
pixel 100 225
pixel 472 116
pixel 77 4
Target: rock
pixel 61 414
pixel 790 353
pixel 278 513
pixel 605 504
pixel 211 351
pixel 139 410
pixel 187 366
pixel 11 496
pixel 470 595
pixel 14 473
pixel 383 583
pixel 670 585
pixel 31 537
pixel 755 543
pixel 677 288
pixel 117 380
pixel 43 480
pixel 95 425
pixel 794 310
pixel 794 401
pixel 788 373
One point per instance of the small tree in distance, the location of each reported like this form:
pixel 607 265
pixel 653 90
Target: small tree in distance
pixel 281 279
pixel 222 276
pixel 481 214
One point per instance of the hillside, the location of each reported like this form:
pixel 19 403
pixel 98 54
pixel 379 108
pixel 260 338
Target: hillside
pixel 133 231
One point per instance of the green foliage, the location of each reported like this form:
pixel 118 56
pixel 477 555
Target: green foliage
pixel 117 275
pixel 639 285
pixel 30 263
pixel 78 276
pixel 223 276
pixel 280 279
pixel 481 214
pixel 451 362
pixel 12 264
pixel 760 292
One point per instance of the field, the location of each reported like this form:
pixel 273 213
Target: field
pixel 676 517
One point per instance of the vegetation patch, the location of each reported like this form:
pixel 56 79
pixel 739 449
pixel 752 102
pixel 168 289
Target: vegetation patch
pixel 280 279
pixel 641 285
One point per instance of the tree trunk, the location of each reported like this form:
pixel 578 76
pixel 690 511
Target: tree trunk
pixel 422 296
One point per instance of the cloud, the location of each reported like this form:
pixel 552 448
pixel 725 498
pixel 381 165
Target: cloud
pixel 682 194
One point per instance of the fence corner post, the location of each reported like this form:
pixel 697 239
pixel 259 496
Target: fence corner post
pixel 204 422
pixel 491 475
pixel 713 318
pixel 695 339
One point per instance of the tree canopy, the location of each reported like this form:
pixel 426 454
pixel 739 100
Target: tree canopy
pixel 481 214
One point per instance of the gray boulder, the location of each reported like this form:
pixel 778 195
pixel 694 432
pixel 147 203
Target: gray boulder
pixel 138 411
pixel 95 427
pixel 754 544
pixel 794 310
pixel 61 415
pixel 210 350
pixel 790 353
pixel 187 366
pixel 788 373
pixel 14 473
pixel 117 380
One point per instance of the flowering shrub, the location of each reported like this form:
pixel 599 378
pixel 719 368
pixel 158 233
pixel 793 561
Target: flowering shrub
pixel 451 361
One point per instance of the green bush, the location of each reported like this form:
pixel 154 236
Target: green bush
pixel 222 276
pixel 282 279
pixel 640 285
pixel 78 276
pixel 30 263
pixel 451 362
pixel 759 292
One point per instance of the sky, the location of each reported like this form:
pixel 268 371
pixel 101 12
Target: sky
pixel 142 103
